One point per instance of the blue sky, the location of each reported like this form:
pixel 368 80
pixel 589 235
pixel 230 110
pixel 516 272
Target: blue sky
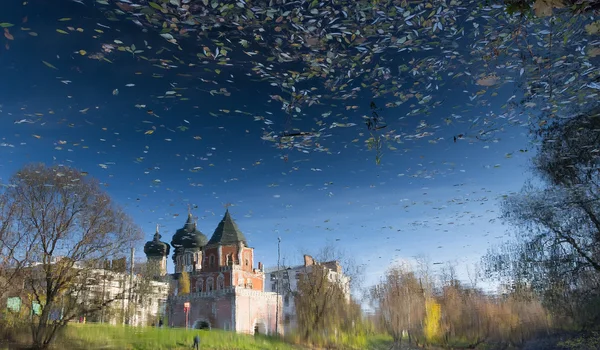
pixel 438 199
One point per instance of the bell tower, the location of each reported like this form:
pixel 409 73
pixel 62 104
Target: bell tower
pixel 157 253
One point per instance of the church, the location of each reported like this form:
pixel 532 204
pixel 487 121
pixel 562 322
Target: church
pixel 226 289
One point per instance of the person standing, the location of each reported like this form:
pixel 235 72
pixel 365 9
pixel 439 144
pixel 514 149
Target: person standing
pixel 197 342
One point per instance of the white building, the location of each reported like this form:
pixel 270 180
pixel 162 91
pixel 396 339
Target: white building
pixel 285 282
pixel 136 300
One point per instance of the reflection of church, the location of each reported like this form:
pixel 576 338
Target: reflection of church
pixel 226 291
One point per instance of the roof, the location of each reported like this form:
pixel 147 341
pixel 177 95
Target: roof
pixel 227 232
pixel 188 236
pixel 155 247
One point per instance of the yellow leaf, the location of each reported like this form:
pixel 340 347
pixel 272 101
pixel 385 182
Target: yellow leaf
pixel 149 132
pixel 49 65
pixel 64 19
pixel 82 52
pixel 33 33
pixel 593 28
pixel 61 31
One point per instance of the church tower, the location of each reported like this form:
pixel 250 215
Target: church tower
pixel 228 261
pixel 157 253
pixel 188 243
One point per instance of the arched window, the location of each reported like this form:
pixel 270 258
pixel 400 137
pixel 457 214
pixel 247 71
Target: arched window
pixel 200 285
pixel 229 260
pixel 210 284
pixel 247 262
pixel 220 282
pixel 211 260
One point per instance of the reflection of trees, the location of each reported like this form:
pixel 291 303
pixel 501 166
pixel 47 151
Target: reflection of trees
pixel 67 227
pixel 558 245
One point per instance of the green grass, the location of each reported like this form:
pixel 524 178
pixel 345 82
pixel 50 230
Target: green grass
pixel 109 337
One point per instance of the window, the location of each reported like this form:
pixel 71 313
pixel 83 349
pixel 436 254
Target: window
pixel 274 287
pixel 220 282
pixel 229 260
pixel 247 262
pixel 210 284
pixel 249 283
pixel 211 261
pixel 287 319
pixel 286 300
pixel 200 285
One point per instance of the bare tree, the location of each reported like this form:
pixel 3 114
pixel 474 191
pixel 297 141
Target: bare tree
pixel 67 227
pixel 557 249
pixel 324 307
pixel 400 303
pixel 318 301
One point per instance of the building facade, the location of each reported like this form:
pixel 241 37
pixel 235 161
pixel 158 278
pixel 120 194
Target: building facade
pixel 226 289
pixel 284 281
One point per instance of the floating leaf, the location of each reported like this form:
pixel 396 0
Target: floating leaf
pixel 61 31
pixel 7 34
pixel 593 28
pixel 64 19
pixel 6 25
pixel 49 65
pixel 155 5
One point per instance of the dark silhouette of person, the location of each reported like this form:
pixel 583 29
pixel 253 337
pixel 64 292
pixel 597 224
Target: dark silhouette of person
pixel 197 342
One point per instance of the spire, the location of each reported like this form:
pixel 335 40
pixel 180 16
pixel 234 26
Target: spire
pixel 157 235
pixel 227 232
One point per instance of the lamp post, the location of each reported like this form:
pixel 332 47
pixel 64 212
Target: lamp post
pixel 277 286
pixel 186 309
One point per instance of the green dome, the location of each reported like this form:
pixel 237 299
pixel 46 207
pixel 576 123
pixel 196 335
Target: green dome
pixel 188 237
pixel 155 247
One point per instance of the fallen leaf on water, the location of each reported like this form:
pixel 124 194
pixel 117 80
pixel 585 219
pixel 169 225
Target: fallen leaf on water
pixel 6 25
pixel 49 65
pixel 8 35
pixel 489 80
pixel 62 31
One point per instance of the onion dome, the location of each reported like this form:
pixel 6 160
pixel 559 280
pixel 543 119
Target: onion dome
pixel 188 237
pixel 227 233
pixel 155 247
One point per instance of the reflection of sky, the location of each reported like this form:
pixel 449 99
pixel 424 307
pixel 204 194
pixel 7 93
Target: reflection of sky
pixel 435 199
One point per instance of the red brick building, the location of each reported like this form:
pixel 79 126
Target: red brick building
pixel 226 289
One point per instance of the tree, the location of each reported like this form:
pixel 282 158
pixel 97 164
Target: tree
pixel 184 284
pixel 319 302
pixel 323 305
pixel 557 250
pixel 400 303
pixel 67 227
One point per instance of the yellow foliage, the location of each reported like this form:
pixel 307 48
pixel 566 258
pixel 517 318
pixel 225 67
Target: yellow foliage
pixel 433 312
pixel 184 283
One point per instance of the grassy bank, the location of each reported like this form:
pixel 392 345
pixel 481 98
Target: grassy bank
pixel 107 337
pixel 142 338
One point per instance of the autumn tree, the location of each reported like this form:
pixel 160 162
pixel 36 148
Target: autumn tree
pixel 557 246
pixel 400 303
pixel 323 303
pixel 183 284
pixel 67 227
pixel 319 301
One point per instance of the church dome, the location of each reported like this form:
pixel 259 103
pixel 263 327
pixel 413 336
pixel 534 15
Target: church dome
pixel 155 247
pixel 189 237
